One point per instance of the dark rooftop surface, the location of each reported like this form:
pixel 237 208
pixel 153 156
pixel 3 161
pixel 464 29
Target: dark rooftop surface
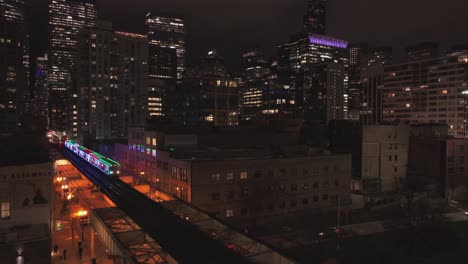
pixel 22 151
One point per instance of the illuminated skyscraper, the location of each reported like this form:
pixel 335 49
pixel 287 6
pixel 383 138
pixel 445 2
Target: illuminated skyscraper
pixel 214 99
pixel 166 65
pixel 315 19
pixel 318 57
pixel 167 32
pixel 110 82
pixel 323 90
pixel 66 19
pixel 40 99
pixel 357 53
pixel 14 65
pixel 307 50
pixel 422 51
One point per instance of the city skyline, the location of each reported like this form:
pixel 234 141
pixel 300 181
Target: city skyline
pixel 265 131
pixel 254 28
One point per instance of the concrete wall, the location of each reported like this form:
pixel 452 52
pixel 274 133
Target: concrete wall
pixel 385 155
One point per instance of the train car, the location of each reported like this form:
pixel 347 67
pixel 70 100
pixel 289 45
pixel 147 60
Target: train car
pixel 106 165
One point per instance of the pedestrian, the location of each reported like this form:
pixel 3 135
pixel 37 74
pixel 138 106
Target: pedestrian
pixel 64 254
pixel 55 249
pixel 80 252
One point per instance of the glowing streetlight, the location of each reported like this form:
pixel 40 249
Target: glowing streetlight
pixel 82 213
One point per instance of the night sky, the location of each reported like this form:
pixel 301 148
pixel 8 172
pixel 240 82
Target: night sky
pixel 231 26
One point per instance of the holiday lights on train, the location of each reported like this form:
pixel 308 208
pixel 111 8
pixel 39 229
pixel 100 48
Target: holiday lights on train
pixel 108 166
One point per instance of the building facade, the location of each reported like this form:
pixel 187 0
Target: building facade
pixel 380 154
pixel 312 49
pixel 237 183
pixel 422 51
pixel 214 96
pixel 324 92
pixel 166 65
pixel 378 57
pixel 428 91
pixel 110 82
pixel 40 94
pixel 26 203
pixel 357 53
pixel 316 17
pixel 446 173
pixel 168 33
pixel 372 82
pixel 14 65
pixel 66 19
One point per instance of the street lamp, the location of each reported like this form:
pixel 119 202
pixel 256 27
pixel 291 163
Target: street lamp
pixel 82 215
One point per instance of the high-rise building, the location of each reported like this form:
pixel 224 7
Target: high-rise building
pixel 167 32
pixel 380 56
pixel 166 65
pixel 429 91
pixel 305 50
pixel 40 99
pixel 214 97
pixel 422 51
pixel 372 96
pixel 66 19
pixel 14 65
pixel 357 53
pixel 457 48
pixel 322 89
pixel 110 82
pixel 256 72
pixel 254 65
pixel 279 95
pixel 316 16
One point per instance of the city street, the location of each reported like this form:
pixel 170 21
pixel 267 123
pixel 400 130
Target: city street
pixel 68 232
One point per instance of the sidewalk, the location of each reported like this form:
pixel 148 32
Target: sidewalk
pixel 64 240
pixel 65 226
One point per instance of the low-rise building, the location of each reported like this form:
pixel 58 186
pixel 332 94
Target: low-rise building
pixel 26 203
pixel 236 178
pixel 380 154
pixel 437 161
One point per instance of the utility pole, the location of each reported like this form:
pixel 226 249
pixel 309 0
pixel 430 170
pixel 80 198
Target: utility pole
pixel 338 230
pixel 339 211
pixel 82 230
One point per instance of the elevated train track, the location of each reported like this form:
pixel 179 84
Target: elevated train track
pixel 182 240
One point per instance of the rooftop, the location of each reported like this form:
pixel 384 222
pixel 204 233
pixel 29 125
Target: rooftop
pixel 247 153
pixel 22 151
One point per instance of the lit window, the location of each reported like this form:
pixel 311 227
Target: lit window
pixel 5 210
pixel 229 213
pixel 230 176
pixel 243 175
pixel 148 140
pixel 215 176
pixel 154 141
